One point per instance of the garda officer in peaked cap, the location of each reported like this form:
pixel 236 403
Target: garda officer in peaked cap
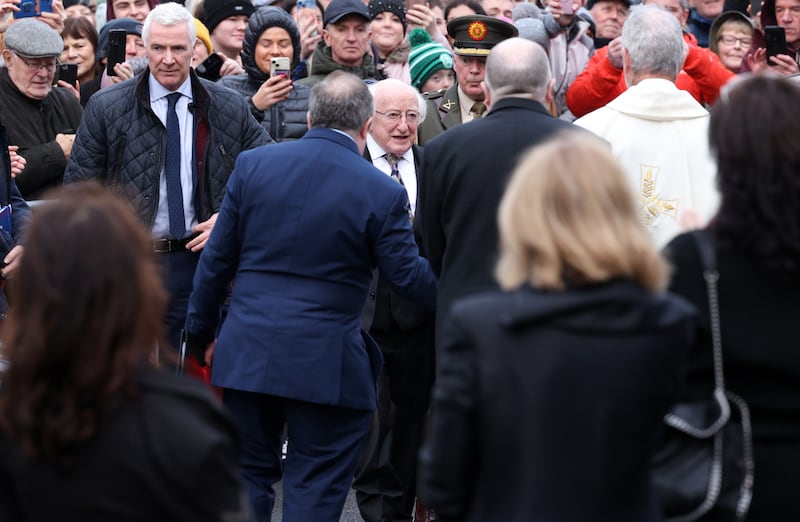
pixel 473 39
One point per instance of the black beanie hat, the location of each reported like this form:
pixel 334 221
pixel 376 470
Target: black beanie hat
pixel 397 7
pixel 218 10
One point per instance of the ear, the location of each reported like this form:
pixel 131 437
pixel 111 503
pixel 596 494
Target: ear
pixel 549 96
pixel 487 96
pixel 365 129
pixel 326 37
pixel 6 56
pixel 308 120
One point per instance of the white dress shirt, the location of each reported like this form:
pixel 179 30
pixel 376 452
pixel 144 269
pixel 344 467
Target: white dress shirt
pixel 405 165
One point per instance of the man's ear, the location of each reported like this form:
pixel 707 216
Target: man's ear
pixel 550 96
pixel 326 37
pixel 487 96
pixel 365 129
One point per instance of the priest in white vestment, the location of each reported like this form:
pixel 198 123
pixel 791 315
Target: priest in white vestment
pixel 658 132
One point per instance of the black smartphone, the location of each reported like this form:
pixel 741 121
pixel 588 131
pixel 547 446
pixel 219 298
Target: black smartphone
pixel 116 49
pixel 775 37
pixel 68 72
pixel 210 67
pixel 737 5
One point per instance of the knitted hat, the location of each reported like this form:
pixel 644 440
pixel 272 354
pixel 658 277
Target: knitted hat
pixel 34 39
pixel 396 7
pixel 204 35
pixel 218 10
pixel 426 57
pixel 130 26
pixel 533 29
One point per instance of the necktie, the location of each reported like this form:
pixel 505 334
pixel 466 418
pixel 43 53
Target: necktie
pixel 478 108
pixel 172 170
pixel 393 159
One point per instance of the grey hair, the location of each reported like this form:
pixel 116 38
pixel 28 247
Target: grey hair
pixel 422 104
pixel 518 67
pixel 654 41
pixel 341 101
pixel 170 13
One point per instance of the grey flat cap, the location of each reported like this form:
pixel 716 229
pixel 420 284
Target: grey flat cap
pixel 33 39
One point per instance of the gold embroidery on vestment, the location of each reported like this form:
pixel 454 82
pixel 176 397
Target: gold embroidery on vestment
pixel 652 205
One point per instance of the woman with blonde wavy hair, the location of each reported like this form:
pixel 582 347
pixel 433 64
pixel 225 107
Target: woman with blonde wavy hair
pixel 550 393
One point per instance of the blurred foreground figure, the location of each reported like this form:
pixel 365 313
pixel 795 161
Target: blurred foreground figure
pixel 549 394
pixel 88 429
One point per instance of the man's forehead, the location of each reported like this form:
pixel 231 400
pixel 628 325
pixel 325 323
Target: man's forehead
pixel 352 20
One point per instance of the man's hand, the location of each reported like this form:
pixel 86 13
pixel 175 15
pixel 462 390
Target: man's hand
pixel 209 355
pixel 272 91
pixel 65 141
pixel 615 52
pixel 11 261
pixel 203 231
pixel 17 162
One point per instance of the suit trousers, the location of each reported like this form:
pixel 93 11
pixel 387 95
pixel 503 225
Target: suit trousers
pixel 386 477
pixel 325 442
pixel 178 273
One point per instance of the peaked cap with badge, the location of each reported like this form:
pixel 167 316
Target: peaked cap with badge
pixel 475 35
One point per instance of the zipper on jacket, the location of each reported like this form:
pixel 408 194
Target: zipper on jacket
pixel 225 157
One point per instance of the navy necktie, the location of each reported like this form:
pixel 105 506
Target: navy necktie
pixel 172 170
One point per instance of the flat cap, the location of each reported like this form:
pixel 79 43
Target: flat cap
pixel 338 9
pixel 475 35
pixel 34 39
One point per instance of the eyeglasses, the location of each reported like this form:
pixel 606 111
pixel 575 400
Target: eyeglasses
pixel 412 117
pixel 34 66
pixel 731 40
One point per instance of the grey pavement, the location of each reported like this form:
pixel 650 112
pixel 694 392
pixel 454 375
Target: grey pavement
pixel 349 513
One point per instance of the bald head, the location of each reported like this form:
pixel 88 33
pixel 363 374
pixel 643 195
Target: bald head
pixel 518 68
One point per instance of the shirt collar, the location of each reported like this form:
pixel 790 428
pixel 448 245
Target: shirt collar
pixel 376 151
pixel 158 91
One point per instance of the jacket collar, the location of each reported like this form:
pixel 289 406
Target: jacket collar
pixel 200 97
pixel 517 103
pixel 331 135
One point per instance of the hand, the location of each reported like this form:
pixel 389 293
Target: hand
pixel 74 90
pixel 558 13
pixel 124 72
pixel 421 15
pixel 17 162
pixel 209 355
pixel 204 232
pixel 55 19
pixel 65 141
pixel 690 219
pixel 7 7
pixel 272 91
pixel 12 260
pixel 615 52
pixel 783 64
pixel 309 36
pixel 230 66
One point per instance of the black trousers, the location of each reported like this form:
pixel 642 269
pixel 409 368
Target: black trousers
pixel 386 475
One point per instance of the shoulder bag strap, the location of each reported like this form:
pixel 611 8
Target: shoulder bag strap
pixel 708 258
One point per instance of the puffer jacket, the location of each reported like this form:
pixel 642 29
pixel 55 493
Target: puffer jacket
pixel 322 64
pixel 122 142
pixel 285 120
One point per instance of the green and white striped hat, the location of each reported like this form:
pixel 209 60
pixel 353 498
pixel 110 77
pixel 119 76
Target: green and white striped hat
pixel 426 57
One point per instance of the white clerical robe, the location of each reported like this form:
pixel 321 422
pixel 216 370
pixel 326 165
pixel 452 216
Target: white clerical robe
pixel 659 134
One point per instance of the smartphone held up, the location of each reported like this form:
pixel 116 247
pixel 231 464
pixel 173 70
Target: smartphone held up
pixel 280 66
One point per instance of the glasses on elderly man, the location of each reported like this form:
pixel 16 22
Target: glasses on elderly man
pixel 728 39
pixel 34 65
pixel 412 117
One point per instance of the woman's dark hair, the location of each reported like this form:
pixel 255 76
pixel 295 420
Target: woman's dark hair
pixel 87 312
pixel 79 27
pixel 472 4
pixel 110 14
pixel 753 135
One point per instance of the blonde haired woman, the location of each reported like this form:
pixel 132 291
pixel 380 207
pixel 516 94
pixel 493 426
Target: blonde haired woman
pixel 549 394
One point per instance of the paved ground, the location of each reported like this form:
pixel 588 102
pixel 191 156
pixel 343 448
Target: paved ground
pixel 349 513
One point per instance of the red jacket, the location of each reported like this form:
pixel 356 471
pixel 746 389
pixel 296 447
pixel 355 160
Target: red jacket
pixel 600 82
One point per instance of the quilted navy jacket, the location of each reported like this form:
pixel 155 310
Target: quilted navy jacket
pixel 122 142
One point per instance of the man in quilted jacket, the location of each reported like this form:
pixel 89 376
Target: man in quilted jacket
pixel 167 141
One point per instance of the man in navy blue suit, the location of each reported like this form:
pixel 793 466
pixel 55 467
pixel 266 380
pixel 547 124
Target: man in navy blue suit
pixel 301 228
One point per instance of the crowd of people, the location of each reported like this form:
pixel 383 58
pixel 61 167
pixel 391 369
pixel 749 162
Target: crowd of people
pixel 435 252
